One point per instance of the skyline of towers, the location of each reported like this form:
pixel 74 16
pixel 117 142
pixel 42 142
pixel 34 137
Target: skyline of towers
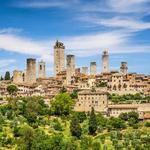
pixel 29 76
pixel 93 68
pixel 105 61
pixel 31 71
pixel 70 70
pixel 59 57
pixel 41 69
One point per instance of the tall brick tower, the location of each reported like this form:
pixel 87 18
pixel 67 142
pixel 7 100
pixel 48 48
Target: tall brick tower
pixel 93 68
pixel 124 67
pixel 105 61
pixel 70 68
pixel 31 71
pixel 59 57
pixel 41 69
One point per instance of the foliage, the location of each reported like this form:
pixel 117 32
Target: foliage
pixel 12 89
pixel 62 104
pixel 26 124
pixel 116 123
pixel 80 115
pixel 1 78
pixel 101 84
pixel 63 90
pixel 75 127
pixel 7 75
pixel 92 123
pixel 57 125
pixel 123 98
pixel 74 94
pixel 147 124
pixel 86 143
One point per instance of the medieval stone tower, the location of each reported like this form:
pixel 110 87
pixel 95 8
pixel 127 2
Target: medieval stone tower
pixel 41 69
pixel 85 70
pixel 93 68
pixel 124 67
pixel 105 61
pixel 70 68
pixel 59 57
pixel 17 77
pixel 31 71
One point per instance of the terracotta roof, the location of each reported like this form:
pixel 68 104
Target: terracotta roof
pixel 123 106
pixel 87 92
pixel 147 116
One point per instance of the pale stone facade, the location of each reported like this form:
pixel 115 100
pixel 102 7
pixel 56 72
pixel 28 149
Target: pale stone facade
pixel 59 57
pixel 18 77
pixel 31 71
pixel 88 99
pixel 105 61
pixel 41 69
pixel 70 69
pixel 116 109
pixel 93 68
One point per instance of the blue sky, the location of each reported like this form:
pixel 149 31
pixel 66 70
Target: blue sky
pixel 29 28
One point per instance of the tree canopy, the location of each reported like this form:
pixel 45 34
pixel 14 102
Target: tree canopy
pixel 62 104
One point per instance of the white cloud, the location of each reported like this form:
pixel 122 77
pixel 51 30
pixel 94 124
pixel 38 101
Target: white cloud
pixel 126 23
pixel 128 6
pixel 10 30
pixel 85 45
pixel 6 62
pixel 46 3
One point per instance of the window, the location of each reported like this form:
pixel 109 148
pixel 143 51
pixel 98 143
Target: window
pixel 40 67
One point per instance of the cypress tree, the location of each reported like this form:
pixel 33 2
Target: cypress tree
pixel 7 75
pixel 1 78
pixel 92 123
pixel 75 127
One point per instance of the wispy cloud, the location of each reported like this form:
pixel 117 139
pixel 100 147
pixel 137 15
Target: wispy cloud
pixel 128 6
pixel 46 3
pixel 131 24
pixel 82 46
pixel 6 62
pixel 10 30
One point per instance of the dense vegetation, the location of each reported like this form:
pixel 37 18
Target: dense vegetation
pixel 27 123
pixel 128 98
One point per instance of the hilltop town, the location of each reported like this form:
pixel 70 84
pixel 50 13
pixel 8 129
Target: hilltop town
pixel 94 88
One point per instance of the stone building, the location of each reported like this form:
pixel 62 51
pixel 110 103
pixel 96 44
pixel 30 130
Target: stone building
pixel 124 68
pixel 93 68
pixel 88 99
pixel 59 57
pixel 18 77
pixel 105 62
pixel 70 69
pixel 41 69
pixel 85 70
pixel 31 71
pixel 116 109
